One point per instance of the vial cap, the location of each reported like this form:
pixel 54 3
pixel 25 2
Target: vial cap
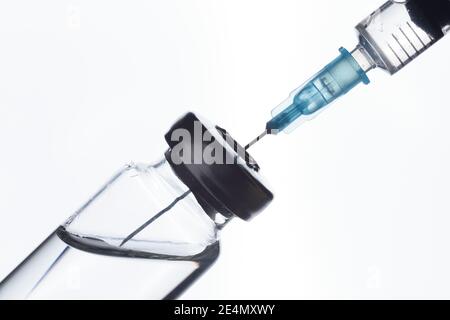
pixel 223 177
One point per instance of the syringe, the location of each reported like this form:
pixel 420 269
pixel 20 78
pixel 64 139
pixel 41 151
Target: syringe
pixel 390 38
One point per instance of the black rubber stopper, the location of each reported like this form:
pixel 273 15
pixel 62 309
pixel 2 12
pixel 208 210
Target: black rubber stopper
pixel 230 185
pixel 431 15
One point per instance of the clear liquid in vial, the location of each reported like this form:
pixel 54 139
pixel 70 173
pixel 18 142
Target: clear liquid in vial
pixel 82 267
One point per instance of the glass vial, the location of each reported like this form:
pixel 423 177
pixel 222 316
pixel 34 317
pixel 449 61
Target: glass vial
pixel 151 230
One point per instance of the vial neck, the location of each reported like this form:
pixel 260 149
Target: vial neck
pixel 221 221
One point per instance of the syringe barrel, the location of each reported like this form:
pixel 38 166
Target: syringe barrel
pixel 399 31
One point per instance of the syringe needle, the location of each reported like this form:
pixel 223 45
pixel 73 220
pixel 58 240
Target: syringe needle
pixel 156 216
pixel 262 135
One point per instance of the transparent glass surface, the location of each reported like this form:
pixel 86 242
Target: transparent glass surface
pixel 92 256
pixel 394 35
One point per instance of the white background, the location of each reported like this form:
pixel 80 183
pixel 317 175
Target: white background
pixel 362 192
